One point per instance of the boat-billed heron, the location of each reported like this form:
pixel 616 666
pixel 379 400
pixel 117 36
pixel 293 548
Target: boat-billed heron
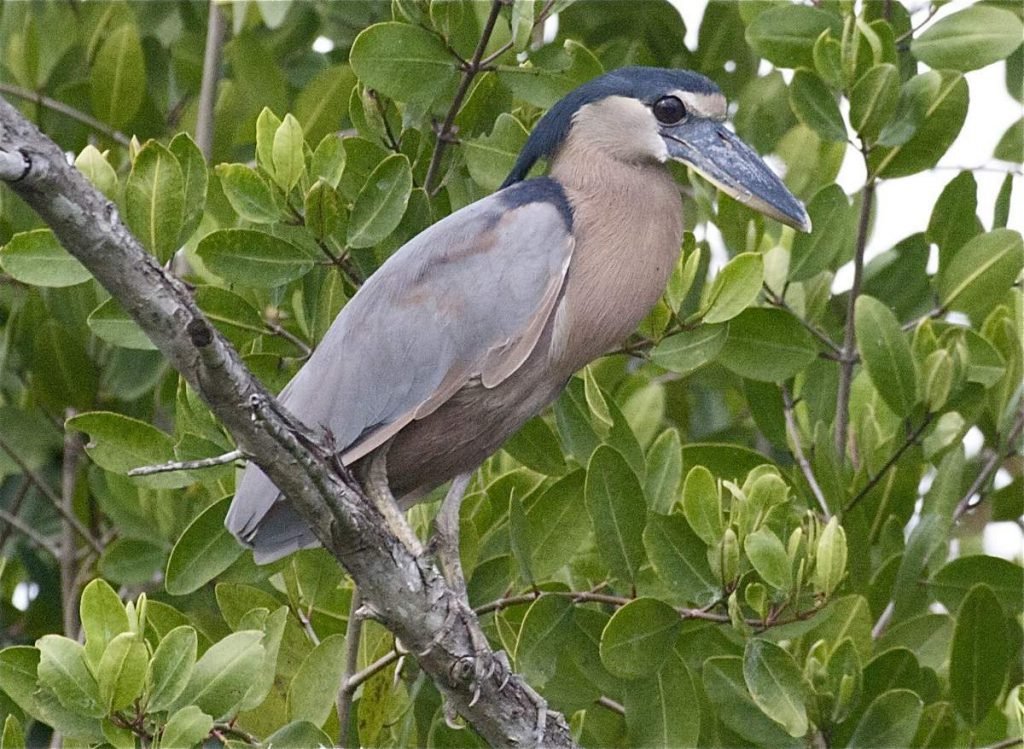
pixel 476 324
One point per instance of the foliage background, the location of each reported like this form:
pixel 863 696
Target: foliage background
pixel 749 409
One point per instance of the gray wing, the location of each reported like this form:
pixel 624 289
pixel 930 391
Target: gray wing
pixel 469 297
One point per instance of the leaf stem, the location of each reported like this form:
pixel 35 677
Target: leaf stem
pixel 849 350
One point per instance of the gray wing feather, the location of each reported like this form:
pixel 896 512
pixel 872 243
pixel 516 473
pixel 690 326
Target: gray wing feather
pixel 468 297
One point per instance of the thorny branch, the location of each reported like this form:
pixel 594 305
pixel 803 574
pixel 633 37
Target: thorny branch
pixel 402 590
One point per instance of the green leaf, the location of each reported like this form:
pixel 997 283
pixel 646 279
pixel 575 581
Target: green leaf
pixel 187 727
pixel 273 634
pixel 553 71
pixel 953 220
pixel 691 349
pixel 63 669
pixel 171 668
pixel 546 627
pixel 122 671
pixel 768 557
pixel 110 322
pixel 873 100
pixel 929 115
pixel 323 103
pixel 785 35
pixel 238 320
pixel 249 194
pixel 951 584
pixel 225 673
pixel 981 654
pixel 19 678
pixel 557 526
pixel 617 508
pixel 981 271
pixel 288 153
pixel 536 447
pixel 314 688
pixel 328 162
pixel 664 471
pixel 814 103
pixel 119 443
pixel 728 694
pixel 679 559
pixel 403 62
pixel 830 557
pixel 663 710
pixel 885 351
pixel 639 638
pixel 117 80
pixel 812 253
pixel 973 38
pixel 253 258
pixel 298 734
pixel 97 169
pixel 154 200
pixel 891 720
pixel 735 288
pixel 266 127
pixel 596 400
pixel 196 179
pixel 1011 145
pixel 776 685
pixel 767 345
pixel 381 203
pixel 490 157
pixel 38 259
pixel 12 736
pixel 702 505
pixel 103 618
pixel 204 550
pixel 322 209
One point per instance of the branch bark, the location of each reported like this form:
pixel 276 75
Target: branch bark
pixel 404 591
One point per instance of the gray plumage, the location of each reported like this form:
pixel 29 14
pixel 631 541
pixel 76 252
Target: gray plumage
pixel 475 325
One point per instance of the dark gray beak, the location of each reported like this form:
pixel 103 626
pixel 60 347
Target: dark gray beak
pixel 733 166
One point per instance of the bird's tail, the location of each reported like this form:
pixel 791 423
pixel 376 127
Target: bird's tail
pixel 262 519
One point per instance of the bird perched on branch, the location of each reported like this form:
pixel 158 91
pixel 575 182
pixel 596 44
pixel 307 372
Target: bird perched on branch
pixel 476 324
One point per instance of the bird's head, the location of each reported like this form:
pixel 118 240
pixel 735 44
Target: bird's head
pixel 657 114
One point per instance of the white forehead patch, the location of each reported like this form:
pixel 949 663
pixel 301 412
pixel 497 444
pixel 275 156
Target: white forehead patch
pixel 712 106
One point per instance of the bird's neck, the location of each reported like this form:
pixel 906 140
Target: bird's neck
pixel 627 221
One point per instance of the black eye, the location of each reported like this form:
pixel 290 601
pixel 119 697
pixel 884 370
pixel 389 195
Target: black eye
pixel 669 110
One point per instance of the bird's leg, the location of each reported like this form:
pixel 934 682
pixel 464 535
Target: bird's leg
pixel 445 543
pixel 375 484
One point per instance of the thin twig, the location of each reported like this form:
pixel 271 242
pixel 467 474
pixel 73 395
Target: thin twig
pixel 293 339
pixel 883 620
pixel 68 562
pixel 353 633
pixel 68 111
pixel 777 300
pixel 445 132
pixel 211 74
pixel 911 439
pixel 1007 743
pixel 989 468
pixel 373 669
pixel 848 353
pixel 610 704
pixel 13 521
pixel 15 508
pixel 931 13
pixel 187 465
pixel 798 453
pixel 51 495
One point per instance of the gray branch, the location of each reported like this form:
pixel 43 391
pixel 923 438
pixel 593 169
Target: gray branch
pixel 405 592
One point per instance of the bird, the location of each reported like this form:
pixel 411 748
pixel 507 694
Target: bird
pixel 476 324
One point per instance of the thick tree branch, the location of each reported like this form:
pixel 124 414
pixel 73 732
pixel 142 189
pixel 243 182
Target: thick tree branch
pixel 403 591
